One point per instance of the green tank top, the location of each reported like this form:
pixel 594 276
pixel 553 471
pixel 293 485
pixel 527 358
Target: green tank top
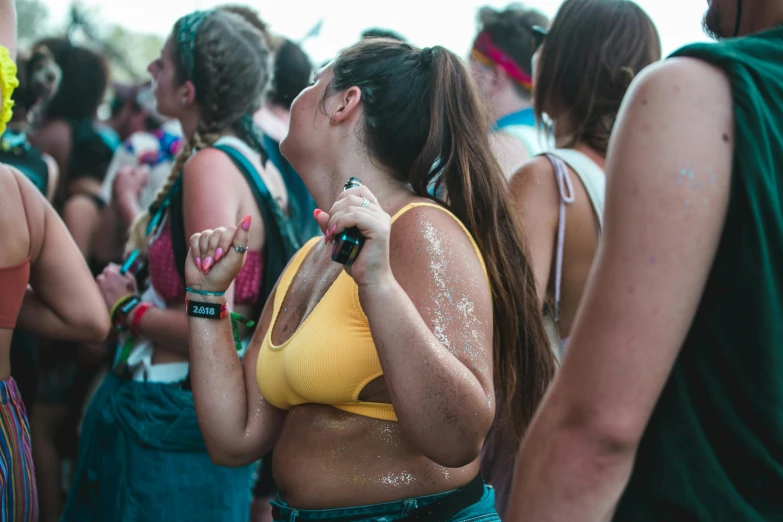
pixel 713 450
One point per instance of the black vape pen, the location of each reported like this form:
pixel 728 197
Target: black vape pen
pixel 349 242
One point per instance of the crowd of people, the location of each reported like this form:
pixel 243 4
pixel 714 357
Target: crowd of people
pixel 536 283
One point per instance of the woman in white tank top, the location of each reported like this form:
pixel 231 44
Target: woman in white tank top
pixel 580 79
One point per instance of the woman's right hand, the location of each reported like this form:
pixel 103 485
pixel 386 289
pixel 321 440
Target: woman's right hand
pixel 213 262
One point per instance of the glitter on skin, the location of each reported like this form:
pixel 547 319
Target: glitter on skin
pixel 363 453
pixel 696 182
pixel 438 269
pixel 398 479
pixel 389 436
pixel 468 335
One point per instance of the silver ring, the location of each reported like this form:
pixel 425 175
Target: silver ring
pixel 365 202
pixel 240 249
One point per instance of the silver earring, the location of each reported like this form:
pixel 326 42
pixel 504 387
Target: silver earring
pixel 182 103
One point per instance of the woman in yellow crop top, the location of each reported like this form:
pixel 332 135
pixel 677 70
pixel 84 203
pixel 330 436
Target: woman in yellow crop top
pixel 375 383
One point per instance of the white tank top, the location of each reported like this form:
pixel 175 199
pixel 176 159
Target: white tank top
pixel 593 179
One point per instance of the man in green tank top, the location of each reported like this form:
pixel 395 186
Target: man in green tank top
pixel 669 403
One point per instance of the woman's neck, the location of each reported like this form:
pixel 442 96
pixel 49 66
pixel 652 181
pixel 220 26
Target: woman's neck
pixel 189 123
pixel 383 184
pixel 189 129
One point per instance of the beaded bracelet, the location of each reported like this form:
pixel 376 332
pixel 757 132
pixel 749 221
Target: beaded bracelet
pixel 205 292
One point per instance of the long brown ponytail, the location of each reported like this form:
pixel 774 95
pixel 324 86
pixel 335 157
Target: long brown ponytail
pixel 423 119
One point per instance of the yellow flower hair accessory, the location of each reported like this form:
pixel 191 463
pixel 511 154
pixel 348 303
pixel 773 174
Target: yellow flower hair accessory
pixel 8 82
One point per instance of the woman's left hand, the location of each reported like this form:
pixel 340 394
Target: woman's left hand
pixel 114 286
pixel 359 208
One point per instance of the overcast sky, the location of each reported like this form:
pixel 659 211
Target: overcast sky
pixel 450 23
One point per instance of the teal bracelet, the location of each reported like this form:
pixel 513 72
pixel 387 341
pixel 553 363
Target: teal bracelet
pixel 204 292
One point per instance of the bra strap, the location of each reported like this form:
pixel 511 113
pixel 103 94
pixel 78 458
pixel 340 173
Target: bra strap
pixel 410 206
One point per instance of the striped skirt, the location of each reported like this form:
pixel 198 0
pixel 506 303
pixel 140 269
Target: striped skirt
pixel 18 496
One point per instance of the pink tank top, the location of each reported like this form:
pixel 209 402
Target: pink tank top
pixel 169 285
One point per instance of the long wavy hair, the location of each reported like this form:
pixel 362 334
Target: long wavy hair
pixel 423 120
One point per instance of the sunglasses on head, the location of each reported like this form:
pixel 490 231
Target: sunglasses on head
pixel 539 35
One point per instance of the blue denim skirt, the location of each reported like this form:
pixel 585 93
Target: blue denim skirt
pixel 481 511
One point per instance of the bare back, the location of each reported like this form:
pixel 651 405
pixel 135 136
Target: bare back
pixel 537 196
pixel 580 246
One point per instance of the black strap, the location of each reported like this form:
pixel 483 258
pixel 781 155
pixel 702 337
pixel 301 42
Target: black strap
pixel 446 507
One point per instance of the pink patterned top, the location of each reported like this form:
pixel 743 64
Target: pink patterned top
pixel 167 283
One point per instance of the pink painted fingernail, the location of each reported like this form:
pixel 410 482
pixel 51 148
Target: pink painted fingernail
pixel 218 254
pixel 207 264
pixel 246 223
pixel 317 212
pixel 198 263
pixel 333 230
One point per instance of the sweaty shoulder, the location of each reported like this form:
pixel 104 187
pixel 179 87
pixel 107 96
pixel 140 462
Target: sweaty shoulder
pixel 425 234
pixel 209 173
pixel 205 161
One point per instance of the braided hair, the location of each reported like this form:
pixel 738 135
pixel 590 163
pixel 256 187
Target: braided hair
pixel 228 62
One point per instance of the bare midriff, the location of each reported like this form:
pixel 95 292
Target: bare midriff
pixel 326 458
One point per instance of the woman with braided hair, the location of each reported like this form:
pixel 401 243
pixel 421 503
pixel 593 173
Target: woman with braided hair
pixel 151 461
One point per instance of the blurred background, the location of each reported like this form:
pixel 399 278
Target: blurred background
pixel 130 33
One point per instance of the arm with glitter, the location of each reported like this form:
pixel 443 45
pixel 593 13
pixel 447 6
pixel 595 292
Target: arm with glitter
pixel 428 304
pixel 238 425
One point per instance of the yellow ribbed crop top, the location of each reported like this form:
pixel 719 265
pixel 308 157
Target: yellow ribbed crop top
pixel 331 357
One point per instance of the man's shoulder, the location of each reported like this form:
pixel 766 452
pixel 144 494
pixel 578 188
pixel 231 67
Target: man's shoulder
pixel 679 80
